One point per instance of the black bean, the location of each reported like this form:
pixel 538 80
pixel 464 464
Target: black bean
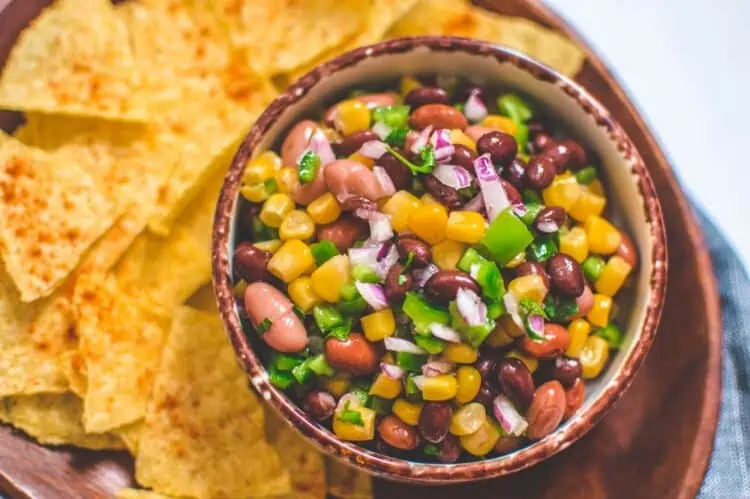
pixel 513 173
pixel 540 172
pixel 420 250
pixel 319 404
pixel 565 275
pixel 566 371
pixel 515 381
pixel 533 268
pixel 549 219
pixel 426 95
pixel 444 194
pixel 399 173
pixel 502 147
pixel 463 156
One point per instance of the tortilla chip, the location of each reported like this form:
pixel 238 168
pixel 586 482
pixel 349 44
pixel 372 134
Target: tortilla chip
pixel 204 299
pixel 292 32
pixel 141 494
pixel 120 341
pixel 203 432
pixel 460 18
pixel 54 419
pixel 345 482
pixel 130 435
pixel 50 213
pixel 75 58
pixel 74 368
pixel 32 338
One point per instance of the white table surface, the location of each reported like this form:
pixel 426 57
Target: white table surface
pixel 686 65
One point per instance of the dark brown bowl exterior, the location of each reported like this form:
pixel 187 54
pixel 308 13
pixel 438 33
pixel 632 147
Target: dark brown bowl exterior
pixel 380 464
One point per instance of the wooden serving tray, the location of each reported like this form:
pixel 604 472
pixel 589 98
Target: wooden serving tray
pixel 655 443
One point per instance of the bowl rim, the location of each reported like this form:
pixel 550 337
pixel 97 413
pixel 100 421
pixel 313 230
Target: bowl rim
pixel 350 452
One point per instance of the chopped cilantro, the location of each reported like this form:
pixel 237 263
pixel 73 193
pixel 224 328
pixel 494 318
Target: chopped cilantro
pixel 264 326
pixel 530 307
pixel 352 417
pixel 427 159
pixel 393 116
pixel 431 450
pixel 299 312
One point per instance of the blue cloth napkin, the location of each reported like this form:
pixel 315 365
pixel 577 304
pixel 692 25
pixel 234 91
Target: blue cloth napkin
pixel 728 474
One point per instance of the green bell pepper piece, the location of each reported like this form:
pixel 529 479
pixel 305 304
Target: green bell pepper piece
pixel 586 175
pixel 348 291
pixel 280 379
pixel 410 361
pixel 506 237
pixel 380 405
pixel 393 116
pixel 422 313
pixel 411 392
pixel 532 210
pixel 486 273
pixel 530 196
pixel 327 317
pixel 543 248
pixel 475 335
pixel 302 372
pixel 262 232
pixel 592 267
pixel 522 136
pixel 469 258
pixel 354 306
pixel 495 310
pixel 363 273
pixel 285 362
pixel 611 334
pixel 323 251
pixel 430 344
pixel 319 366
pixel 514 107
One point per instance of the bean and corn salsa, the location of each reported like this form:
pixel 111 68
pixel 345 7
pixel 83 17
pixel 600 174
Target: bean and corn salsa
pixel 430 271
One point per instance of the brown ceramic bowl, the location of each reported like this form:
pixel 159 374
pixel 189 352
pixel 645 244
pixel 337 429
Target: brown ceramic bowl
pixel 631 194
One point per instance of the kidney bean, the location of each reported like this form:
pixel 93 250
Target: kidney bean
pixel 486 367
pixel 533 268
pixel 319 404
pixel 251 262
pixel 420 250
pixel 627 250
pixel 399 172
pixel 449 450
pixel 345 177
pixel 540 142
pixel 507 444
pixel 352 142
pixel 565 275
pixel 574 397
pixel 354 203
pixel 514 172
pixel 435 421
pixel 426 95
pixel 444 285
pixel 438 116
pixel 501 147
pixel 354 355
pixel 395 290
pixel 297 141
pixel 515 381
pixel 381 99
pixel 566 370
pixel 546 410
pixel 550 219
pixel 585 303
pixel 475 132
pixel 566 154
pixel 305 194
pixel 513 195
pixel 486 395
pixel 463 156
pixel 398 434
pixel 286 332
pixel 539 173
pixel 446 195
pixel 343 232
pixel 556 341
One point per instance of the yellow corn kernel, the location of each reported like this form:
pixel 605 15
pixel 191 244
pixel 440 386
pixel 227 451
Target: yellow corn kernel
pixel 528 286
pixel 324 209
pixel 575 243
pixel 255 193
pixel 613 276
pixel 296 225
pixel 465 226
pixel 447 254
pixel 269 158
pixel 385 387
pixel 293 259
pixel 517 260
pixel 272 245
pixel 469 381
pixel 499 337
pixel 501 123
pixel 482 441
pixel 579 331
pixel 329 277
pixel 459 137
pixel 352 116
pixel 438 388
pixel 354 432
pixel 427 198
pixel 408 83
pixel 460 353
pixel 337 385
pixel 532 363
pixel 604 238
pixel 257 173
pixel 408 412
pixel 468 419
pixel 594 355
pixel 238 290
pixel 378 326
pixel 588 204
pixel 388 358
pixel 301 292
pixel 359 158
pixel 596 187
pixel 287 180
pixel 510 327
pixel 275 209
pixel 400 207
pixel 563 192
pixel 599 313
pixel 428 222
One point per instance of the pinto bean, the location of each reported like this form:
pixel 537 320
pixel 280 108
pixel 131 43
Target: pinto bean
pixel 346 177
pixel 286 332
pixel 307 193
pixel 296 141
pixel 556 341
pixel 546 411
pixel 398 434
pixel 574 397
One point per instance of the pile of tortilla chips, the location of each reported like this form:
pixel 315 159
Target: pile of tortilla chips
pixel 109 338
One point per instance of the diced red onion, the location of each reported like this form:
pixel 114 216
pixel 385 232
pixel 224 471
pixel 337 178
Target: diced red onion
pixel 508 417
pixel 348 399
pixel 386 262
pixel 381 130
pixel 436 368
pixel 536 324
pixel 386 183
pixel 445 333
pixel 475 204
pixel 319 145
pixel 471 307
pixel 547 226
pixel 402 345
pixel 373 149
pixel 495 198
pixel 364 213
pixel 519 208
pixel 373 294
pixel 380 226
pixel 392 371
pixel 453 176
pixel 421 141
pixel 384 250
pixel 419 381
pixel 474 109
pixel 364 256
pixel 441 143
pixel 511 306
pixel 421 276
